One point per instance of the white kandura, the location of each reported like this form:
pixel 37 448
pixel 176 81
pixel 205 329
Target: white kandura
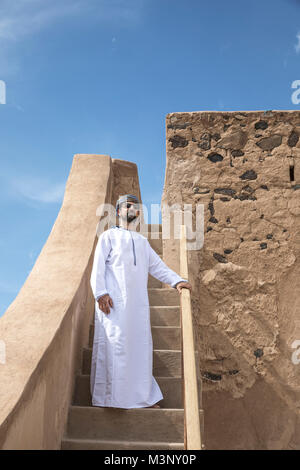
pixel 121 367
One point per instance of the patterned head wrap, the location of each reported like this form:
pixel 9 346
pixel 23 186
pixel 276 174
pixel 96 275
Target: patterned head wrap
pixel 125 198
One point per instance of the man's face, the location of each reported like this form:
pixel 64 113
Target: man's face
pixel 129 211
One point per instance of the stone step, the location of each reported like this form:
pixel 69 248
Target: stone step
pixel 164 337
pixel 164 296
pixel 153 282
pixel 171 388
pixel 98 444
pixel 160 296
pixel 136 424
pixel 166 363
pixel 155 243
pixel 164 316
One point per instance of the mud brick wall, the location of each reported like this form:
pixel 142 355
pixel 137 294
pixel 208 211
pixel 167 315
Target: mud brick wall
pixel 244 167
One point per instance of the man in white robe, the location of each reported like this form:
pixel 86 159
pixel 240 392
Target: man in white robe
pixel 121 367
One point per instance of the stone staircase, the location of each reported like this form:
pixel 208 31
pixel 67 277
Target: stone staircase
pixel 90 427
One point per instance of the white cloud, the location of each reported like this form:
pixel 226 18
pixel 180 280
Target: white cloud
pixel 23 17
pixel 297 46
pixel 39 190
pixel 20 19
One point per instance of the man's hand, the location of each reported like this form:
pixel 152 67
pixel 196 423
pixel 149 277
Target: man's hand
pixel 186 285
pixel 105 302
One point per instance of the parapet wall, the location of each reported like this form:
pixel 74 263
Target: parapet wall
pixel 244 167
pixel 46 326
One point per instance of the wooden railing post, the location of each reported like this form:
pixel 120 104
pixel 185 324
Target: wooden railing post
pixel 192 432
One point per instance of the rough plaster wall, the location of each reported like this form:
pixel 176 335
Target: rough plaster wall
pixel 125 181
pixel 47 325
pixel 246 277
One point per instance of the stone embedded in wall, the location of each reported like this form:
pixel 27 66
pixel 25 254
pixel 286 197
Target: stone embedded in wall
pixel 204 141
pixel 258 352
pixel 215 157
pixel 269 143
pixel 220 258
pixel 178 141
pixel 211 376
pixel 293 139
pixel 179 126
pixel 235 140
pixel 247 274
pixel 261 125
pixel 237 153
pixel 249 175
pixel 198 190
pixel 227 191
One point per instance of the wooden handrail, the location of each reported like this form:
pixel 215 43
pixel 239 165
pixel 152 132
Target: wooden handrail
pixel 192 432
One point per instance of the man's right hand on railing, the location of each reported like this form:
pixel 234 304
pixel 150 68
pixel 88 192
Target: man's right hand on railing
pixel 186 285
pixel 104 302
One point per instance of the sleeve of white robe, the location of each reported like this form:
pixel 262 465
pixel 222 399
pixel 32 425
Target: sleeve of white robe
pixel 97 280
pixel 159 269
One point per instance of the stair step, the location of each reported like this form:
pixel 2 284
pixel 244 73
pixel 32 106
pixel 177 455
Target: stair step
pixel 106 428
pixel 163 296
pixel 155 240
pixel 136 424
pixel 97 444
pixel 165 315
pixel 171 388
pixel 164 337
pixel 155 243
pixel 166 363
pixel 153 282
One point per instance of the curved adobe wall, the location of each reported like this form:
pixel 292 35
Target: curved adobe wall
pixel 244 167
pixel 46 326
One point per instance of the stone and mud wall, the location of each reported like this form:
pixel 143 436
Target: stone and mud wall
pixel 244 167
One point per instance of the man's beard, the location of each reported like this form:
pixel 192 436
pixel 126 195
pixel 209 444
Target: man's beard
pixel 131 216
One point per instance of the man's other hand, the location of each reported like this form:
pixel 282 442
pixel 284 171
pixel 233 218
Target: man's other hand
pixel 105 302
pixel 186 285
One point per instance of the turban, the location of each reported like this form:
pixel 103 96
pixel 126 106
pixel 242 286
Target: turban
pixel 125 199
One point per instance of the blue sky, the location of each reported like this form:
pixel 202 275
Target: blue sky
pixel 99 76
